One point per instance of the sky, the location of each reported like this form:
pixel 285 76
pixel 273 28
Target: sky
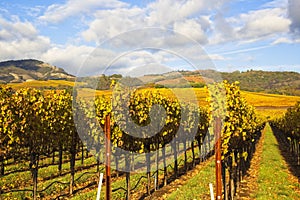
pixel 96 36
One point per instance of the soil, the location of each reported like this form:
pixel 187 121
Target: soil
pixel 248 185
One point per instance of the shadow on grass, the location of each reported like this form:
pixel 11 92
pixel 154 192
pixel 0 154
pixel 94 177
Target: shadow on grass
pixel 290 159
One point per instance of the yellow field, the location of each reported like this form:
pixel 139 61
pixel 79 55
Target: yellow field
pixel 267 105
pixel 270 100
pixel 193 95
pixel 268 113
pixel 270 105
pixel 88 93
pixel 259 100
pixel 39 84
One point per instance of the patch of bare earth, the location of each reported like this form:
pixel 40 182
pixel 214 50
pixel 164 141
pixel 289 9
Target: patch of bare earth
pixel 248 185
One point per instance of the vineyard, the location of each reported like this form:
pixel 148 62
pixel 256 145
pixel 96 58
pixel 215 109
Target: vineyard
pixel 289 128
pixel 52 141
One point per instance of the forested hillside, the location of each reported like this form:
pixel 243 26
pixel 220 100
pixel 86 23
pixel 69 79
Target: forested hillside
pixel 287 83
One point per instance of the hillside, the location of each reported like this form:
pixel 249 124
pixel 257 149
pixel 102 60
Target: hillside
pixel 18 71
pixel 287 83
pixel 265 81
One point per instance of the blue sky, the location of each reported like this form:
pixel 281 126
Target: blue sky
pixel 89 35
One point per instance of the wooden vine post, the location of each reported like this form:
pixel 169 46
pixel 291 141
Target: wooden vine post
pixel 107 156
pixel 218 111
pixel 218 159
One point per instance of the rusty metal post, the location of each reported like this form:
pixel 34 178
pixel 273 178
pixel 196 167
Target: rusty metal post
pixel 218 159
pixel 107 157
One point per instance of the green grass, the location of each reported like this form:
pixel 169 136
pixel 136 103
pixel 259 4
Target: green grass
pixel 23 180
pixel 15 180
pixel 198 186
pixel 273 178
pixel 19 180
pixel 134 177
pixel 91 194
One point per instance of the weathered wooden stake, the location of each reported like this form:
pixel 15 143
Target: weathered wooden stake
pixel 218 159
pixel 107 156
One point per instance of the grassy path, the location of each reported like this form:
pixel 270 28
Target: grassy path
pixel 270 177
pixel 274 178
pixel 192 185
pixel 197 186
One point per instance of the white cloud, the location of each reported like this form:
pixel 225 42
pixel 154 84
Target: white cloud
pixel 85 60
pixel 217 57
pixel 4 11
pixel 71 58
pixel 109 23
pixel 104 19
pixel 21 40
pixel 282 40
pixel 250 27
pixel 187 17
pixel 276 4
pixel 191 28
pixel 223 30
pixel 58 12
pixel 34 11
pixel 294 15
pixel 166 12
pixel 181 16
pixel 262 23
pixel 95 61
pixel 245 50
pixel 23 48
pixel 16 30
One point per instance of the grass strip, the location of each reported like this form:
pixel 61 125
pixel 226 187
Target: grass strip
pixel 198 186
pixel 273 176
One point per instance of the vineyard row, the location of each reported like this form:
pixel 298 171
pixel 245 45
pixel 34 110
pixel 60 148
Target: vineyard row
pixel 35 123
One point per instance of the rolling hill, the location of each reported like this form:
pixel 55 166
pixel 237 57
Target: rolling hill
pixel 287 83
pixel 18 71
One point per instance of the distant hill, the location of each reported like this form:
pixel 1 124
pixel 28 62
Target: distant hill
pixel 17 71
pixel 287 83
pixel 179 79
